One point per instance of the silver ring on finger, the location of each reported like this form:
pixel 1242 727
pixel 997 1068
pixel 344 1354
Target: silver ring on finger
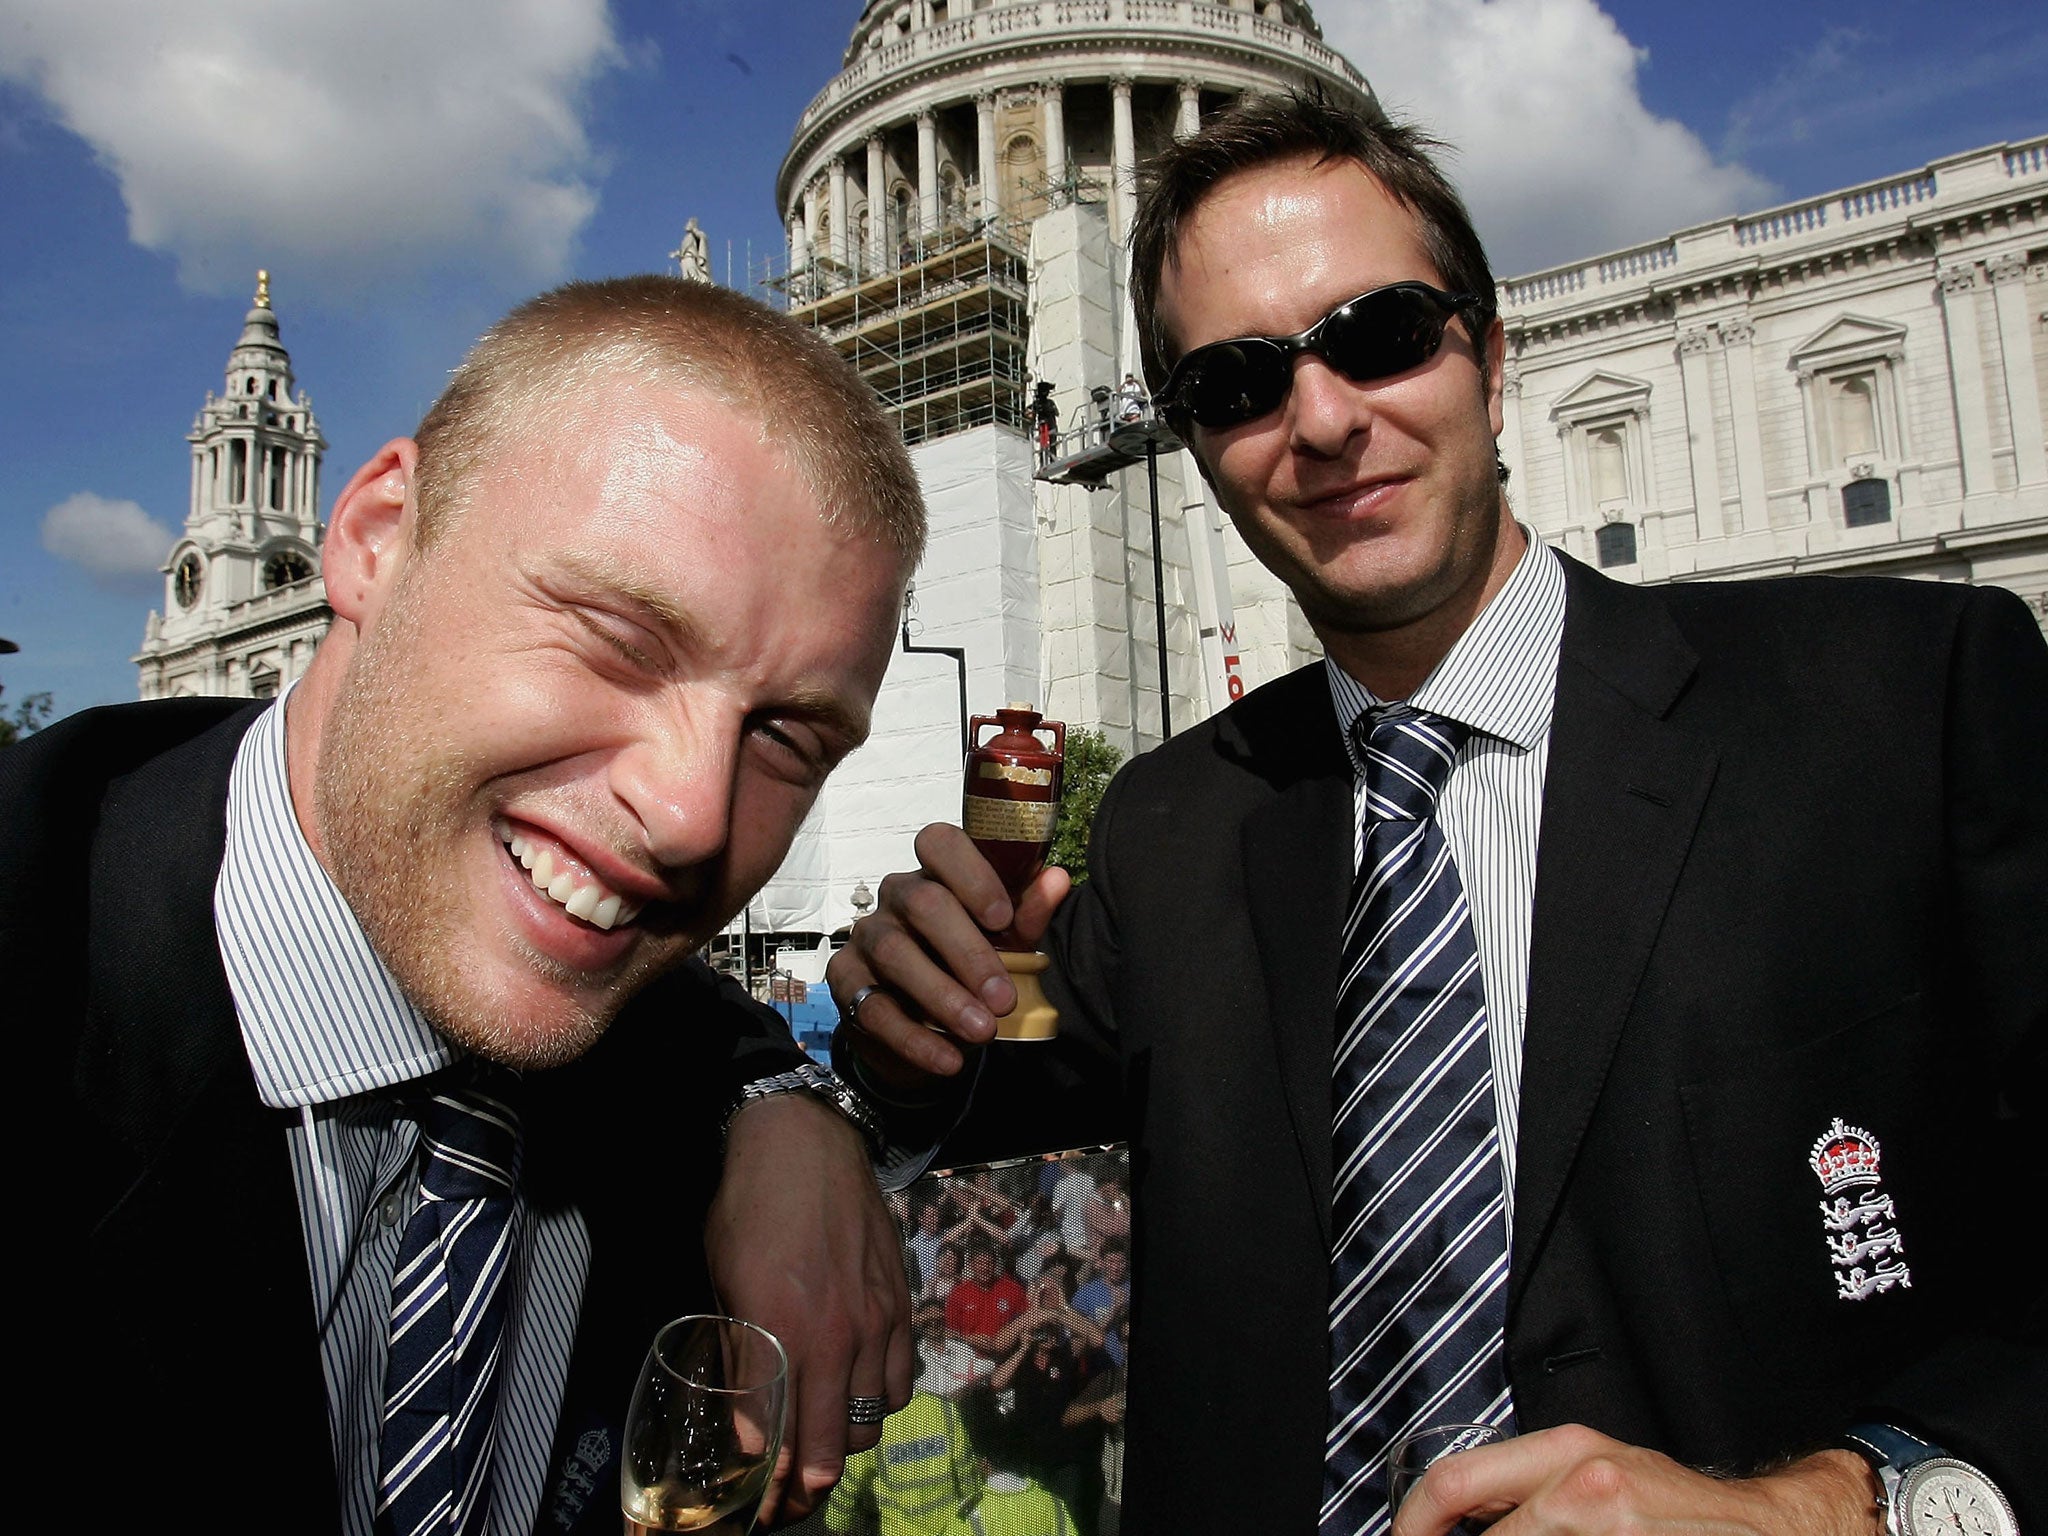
pixel 850 1012
pixel 866 1410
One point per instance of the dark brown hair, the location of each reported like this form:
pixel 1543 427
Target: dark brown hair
pixel 536 366
pixel 1259 130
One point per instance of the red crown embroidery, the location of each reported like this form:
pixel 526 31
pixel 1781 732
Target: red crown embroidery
pixel 1844 1156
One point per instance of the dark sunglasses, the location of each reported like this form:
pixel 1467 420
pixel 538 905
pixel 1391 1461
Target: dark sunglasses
pixel 1373 336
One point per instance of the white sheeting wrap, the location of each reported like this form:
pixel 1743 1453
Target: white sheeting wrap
pixel 977 589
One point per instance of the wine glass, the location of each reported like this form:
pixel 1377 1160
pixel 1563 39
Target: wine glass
pixel 1413 1453
pixel 704 1428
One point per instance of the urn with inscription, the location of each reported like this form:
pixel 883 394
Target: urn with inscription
pixel 1011 802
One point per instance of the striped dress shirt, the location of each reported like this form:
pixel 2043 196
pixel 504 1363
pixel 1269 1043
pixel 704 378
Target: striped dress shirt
pixel 1500 678
pixel 330 1034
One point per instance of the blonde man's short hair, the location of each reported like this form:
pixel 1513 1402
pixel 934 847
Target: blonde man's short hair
pixel 555 353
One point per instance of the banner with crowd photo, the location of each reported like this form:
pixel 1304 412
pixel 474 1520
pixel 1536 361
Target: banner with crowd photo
pixel 1020 1284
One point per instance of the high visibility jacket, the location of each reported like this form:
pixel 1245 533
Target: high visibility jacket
pixel 1028 1511
pixel 914 1481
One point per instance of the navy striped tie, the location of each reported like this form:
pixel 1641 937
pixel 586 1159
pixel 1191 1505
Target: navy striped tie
pixel 449 1295
pixel 1418 1295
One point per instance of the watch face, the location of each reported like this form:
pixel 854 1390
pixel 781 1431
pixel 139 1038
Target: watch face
pixel 1944 1497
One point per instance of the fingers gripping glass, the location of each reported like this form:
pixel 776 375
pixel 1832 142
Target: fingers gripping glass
pixel 1373 336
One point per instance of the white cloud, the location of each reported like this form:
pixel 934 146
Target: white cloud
pixel 344 140
pixel 1557 156
pixel 115 542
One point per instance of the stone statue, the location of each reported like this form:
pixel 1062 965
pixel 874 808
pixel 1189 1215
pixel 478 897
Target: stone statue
pixel 693 256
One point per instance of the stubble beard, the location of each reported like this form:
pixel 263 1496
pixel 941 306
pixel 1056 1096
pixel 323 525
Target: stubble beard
pixel 392 804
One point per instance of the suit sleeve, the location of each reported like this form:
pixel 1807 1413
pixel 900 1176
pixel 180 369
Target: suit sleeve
pixel 1984 1396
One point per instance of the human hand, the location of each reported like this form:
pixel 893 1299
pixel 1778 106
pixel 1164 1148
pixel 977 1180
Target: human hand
pixel 1575 1481
pixel 800 1242
pixel 926 945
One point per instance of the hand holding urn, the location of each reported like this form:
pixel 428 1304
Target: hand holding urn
pixel 1011 802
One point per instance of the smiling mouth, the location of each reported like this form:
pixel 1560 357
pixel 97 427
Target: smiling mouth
pixel 576 891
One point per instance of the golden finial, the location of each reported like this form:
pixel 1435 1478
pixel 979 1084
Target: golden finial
pixel 263 288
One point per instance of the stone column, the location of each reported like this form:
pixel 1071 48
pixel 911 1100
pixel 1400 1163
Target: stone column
pixel 1052 96
pixel 927 172
pixel 985 150
pixel 842 237
pixel 1694 349
pixel 1738 337
pixel 798 256
pixel 1123 159
pixel 2022 390
pixel 1190 109
pixel 1966 374
pixel 878 207
pixel 811 200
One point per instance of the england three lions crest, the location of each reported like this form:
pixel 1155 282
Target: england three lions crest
pixel 1862 1233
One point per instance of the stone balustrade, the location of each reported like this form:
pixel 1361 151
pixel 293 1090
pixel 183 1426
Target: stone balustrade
pixel 1917 195
pixel 1057 21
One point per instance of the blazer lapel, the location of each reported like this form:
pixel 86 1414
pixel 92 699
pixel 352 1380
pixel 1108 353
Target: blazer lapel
pixel 1297 868
pixel 184 1146
pixel 1622 796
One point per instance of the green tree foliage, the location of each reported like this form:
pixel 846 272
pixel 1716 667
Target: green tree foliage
pixel 1091 762
pixel 25 719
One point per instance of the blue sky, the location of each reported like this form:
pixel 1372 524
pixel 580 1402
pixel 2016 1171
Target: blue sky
pixel 407 172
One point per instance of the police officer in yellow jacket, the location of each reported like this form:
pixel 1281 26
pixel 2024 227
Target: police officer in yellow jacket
pixel 1012 1505
pixel 915 1481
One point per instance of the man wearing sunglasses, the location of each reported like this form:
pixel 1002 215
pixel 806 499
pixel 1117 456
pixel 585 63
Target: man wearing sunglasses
pixel 1592 1010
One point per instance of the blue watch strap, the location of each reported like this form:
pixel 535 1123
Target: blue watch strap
pixel 1886 1445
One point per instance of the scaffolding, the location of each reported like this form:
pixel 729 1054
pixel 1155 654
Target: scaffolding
pixel 939 333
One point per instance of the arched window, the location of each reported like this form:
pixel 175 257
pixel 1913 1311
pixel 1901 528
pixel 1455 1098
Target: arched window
pixel 1616 544
pixel 1865 502
pixel 238 472
pixel 952 202
pixel 285 568
pixel 1607 463
pixel 1023 177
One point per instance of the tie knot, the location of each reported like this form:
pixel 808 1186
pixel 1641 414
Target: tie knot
pixel 469 1133
pixel 1406 756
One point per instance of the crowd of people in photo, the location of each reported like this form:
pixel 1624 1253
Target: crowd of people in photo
pixel 1020 1282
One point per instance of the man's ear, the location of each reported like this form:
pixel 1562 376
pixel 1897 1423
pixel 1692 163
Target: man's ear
pixel 1494 363
pixel 370 532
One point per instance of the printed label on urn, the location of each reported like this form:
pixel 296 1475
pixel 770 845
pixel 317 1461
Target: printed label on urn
pixel 1013 773
pixel 1009 821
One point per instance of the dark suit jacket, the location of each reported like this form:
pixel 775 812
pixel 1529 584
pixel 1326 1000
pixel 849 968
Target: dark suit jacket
pixel 1793 865
pixel 183 1352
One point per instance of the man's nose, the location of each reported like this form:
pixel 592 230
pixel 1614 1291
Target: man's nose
pixel 677 780
pixel 1324 408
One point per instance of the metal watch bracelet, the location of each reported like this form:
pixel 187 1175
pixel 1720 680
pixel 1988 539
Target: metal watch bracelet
pixel 811 1078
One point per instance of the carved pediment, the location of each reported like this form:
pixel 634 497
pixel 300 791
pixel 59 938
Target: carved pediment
pixel 1849 339
pixel 1599 393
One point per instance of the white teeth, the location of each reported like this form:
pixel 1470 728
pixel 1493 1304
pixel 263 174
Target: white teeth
pixel 580 895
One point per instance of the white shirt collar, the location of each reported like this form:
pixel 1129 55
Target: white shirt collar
pixel 322 1017
pixel 1500 677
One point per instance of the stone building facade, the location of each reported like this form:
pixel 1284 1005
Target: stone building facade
pixel 956 202
pixel 244 605
pixel 1851 383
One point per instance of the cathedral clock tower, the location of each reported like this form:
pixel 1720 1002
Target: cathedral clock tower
pixel 243 602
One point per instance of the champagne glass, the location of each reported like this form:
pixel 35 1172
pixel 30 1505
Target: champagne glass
pixel 704 1428
pixel 1412 1454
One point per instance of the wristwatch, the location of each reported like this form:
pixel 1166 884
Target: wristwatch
pixel 809 1077
pixel 1926 1491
